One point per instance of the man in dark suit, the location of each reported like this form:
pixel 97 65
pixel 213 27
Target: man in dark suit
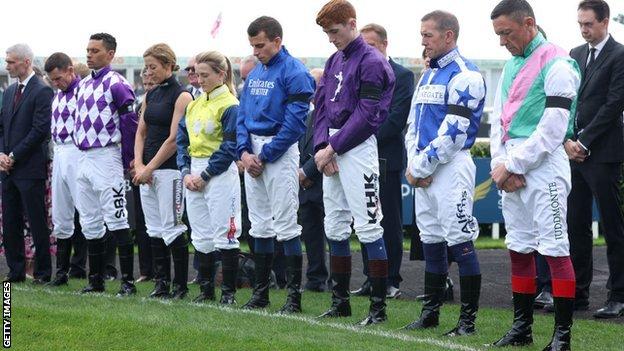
pixel 392 158
pixel 24 132
pixel 311 209
pixel 596 155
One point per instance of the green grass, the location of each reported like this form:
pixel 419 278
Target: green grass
pixel 59 319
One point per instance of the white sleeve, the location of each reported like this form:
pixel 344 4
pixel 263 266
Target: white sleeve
pixel 466 92
pixel 561 81
pixel 497 149
pixel 410 135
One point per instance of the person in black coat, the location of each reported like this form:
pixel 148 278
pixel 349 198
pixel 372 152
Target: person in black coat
pixel 311 209
pixel 392 159
pixel 596 152
pixel 24 135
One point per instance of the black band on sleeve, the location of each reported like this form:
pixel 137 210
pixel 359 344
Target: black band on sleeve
pixel 370 91
pixel 558 102
pixel 126 109
pixel 459 110
pixel 305 98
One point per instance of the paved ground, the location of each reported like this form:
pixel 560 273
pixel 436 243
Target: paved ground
pixel 496 291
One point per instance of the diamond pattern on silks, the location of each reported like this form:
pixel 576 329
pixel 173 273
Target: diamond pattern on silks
pixel 64 114
pixel 97 119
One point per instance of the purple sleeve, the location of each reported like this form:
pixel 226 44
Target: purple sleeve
pixel 321 123
pixel 123 98
pixel 376 86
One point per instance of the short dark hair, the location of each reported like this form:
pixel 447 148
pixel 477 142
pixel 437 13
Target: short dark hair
pixel 444 21
pixel 57 60
pixel 600 8
pixel 269 25
pixel 515 9
pixel 378 29
pixel 108 40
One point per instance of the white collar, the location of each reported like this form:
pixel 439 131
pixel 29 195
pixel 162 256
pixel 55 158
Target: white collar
pixel 25 82
pixel 601 44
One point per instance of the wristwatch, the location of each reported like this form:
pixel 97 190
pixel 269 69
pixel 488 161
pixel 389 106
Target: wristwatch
pixel 12 156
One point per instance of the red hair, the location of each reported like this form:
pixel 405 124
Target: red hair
pixel 335 12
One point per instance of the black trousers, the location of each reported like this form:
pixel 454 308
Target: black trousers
pixel 311 217
pixel 392 224
pixel 600 181
pixel 78 262
pixel 19 197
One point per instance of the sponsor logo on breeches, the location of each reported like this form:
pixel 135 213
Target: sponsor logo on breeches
pixel 370 191
pixel 119 202
pixel 464 219
pixel 177 200
pixel 553 194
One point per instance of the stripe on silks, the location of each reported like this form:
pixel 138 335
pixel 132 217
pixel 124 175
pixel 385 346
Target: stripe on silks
pixel 372 200
pixel 178 201
pixel 523 285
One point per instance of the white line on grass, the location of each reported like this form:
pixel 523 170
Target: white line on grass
pixel 263 313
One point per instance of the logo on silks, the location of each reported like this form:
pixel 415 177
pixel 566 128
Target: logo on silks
pixel 119 201
pixel 178 200
pixel 232 231
pixel 553 194
pixel 260 87
pixel 372 200
pixel 466 220
pixel 338 87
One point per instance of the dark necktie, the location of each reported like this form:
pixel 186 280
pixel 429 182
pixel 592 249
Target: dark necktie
pixel 592 58
pixel 18 95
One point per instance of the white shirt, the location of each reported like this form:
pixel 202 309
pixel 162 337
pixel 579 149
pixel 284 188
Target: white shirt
pixel 598 47
pixel 25 82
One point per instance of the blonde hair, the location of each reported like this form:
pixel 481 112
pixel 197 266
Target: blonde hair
pixel 163 54
pixel 219 63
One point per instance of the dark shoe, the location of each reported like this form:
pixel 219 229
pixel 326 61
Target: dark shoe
pixel 126 259
pixel 179 292
pixel 435 287
pixel 470 288
pixel 393 292
pixel 521 333
pixel 315 287
pixel 58 281
pixel 542 299
pixel 340 276
pixel 229 269
pixel 260 297
pixel 92 289
pixel 363 290
pixel 561 338
pixel 41 281
pixel 293 285
pixel 193 281
pixel 109 277
pixel 612 309
pixel 63 250
pixel 126 289
pixel 180 256
pixel 161 289
pixel 206 292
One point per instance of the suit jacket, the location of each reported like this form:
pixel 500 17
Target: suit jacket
pixel 390 139
pixel 306 162
pixel 25 129
pixel 598 125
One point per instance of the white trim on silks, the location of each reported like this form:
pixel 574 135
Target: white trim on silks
pixel 215 212
pixel 163 204
pixel 311 321
pixel 273 197
pixel 101 191
pixel 352 194
pixel 64 189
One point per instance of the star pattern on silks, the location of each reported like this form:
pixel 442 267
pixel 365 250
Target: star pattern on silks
pixel 464 96
pixel 432 153
pixel 453 130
